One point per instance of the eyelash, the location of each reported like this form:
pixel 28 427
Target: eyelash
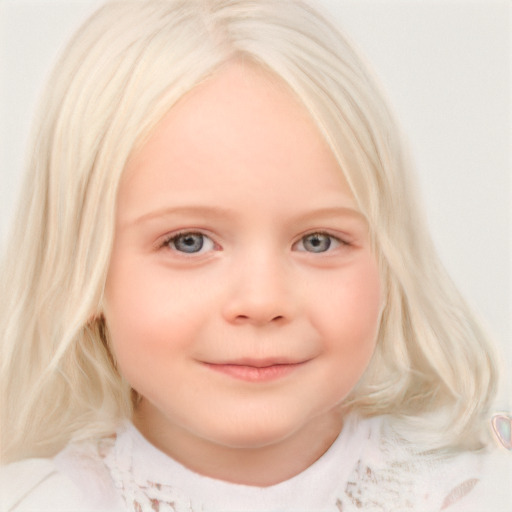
pixel 175 236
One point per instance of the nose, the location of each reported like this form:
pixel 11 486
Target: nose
pixel 260 293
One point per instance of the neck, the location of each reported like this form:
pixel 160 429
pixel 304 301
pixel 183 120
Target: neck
pixel 260 465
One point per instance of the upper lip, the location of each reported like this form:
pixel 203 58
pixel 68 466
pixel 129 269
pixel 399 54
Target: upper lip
pixel 259 363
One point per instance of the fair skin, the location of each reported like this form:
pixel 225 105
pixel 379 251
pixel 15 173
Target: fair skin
pixel 243 297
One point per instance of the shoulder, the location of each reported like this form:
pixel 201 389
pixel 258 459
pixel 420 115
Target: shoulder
pixel 494 491
pixel 37 485
pixel 472 481
pixel 394 472
pixel 53 485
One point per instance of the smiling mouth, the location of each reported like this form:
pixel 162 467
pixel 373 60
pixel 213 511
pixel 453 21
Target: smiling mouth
pixel 256 371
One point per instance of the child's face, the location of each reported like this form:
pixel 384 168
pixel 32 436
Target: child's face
pixel 243 298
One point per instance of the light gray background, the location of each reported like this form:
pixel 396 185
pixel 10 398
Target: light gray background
pixel 446 67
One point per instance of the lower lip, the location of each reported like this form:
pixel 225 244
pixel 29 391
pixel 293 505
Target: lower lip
pixel 254 373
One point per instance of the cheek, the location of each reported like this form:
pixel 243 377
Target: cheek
pixel 351 320
pixel 354 301
pixel 153 313
pixel 138 314
pixel 363 299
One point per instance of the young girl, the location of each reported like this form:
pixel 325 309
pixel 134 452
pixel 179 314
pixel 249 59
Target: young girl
pixel 221 294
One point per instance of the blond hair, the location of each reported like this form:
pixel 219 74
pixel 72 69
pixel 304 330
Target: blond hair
pixel 123 70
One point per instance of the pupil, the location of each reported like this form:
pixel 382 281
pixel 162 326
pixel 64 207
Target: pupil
pixel 317 243
pixel 189 243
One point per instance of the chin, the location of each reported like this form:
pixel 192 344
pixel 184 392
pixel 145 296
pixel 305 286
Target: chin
pixel 252 435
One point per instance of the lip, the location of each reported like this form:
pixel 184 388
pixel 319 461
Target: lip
pixel 256 370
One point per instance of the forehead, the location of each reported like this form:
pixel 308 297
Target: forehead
pixel 241 133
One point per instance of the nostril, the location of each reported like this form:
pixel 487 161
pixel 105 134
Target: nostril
pixel 246 318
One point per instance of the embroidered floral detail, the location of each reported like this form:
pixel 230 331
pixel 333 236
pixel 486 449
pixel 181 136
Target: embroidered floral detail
pixel 392 475
pixel 140 495
pixel 373 490
pixel 459 492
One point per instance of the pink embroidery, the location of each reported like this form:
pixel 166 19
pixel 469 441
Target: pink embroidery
pixel 459 492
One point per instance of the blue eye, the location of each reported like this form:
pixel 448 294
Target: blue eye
pixel 190 243
pixel 318 242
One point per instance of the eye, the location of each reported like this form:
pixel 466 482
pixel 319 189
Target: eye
pixel 318 242
pixel 190 243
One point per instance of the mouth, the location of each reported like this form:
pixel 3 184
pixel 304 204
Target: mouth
pixel 256 370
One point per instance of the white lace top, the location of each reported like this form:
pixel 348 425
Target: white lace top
pixel 366 469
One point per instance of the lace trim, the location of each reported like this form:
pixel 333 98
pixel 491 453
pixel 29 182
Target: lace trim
pixel 141 496
pixel 393 476
pixel 388 477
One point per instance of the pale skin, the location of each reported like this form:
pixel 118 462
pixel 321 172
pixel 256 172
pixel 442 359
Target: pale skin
pixel 243 297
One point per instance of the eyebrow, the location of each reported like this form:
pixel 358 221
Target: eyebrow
pixel 218 212
pixel 334 211
pixel 199 210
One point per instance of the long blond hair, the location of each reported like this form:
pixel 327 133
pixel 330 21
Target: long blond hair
pixel 123 70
